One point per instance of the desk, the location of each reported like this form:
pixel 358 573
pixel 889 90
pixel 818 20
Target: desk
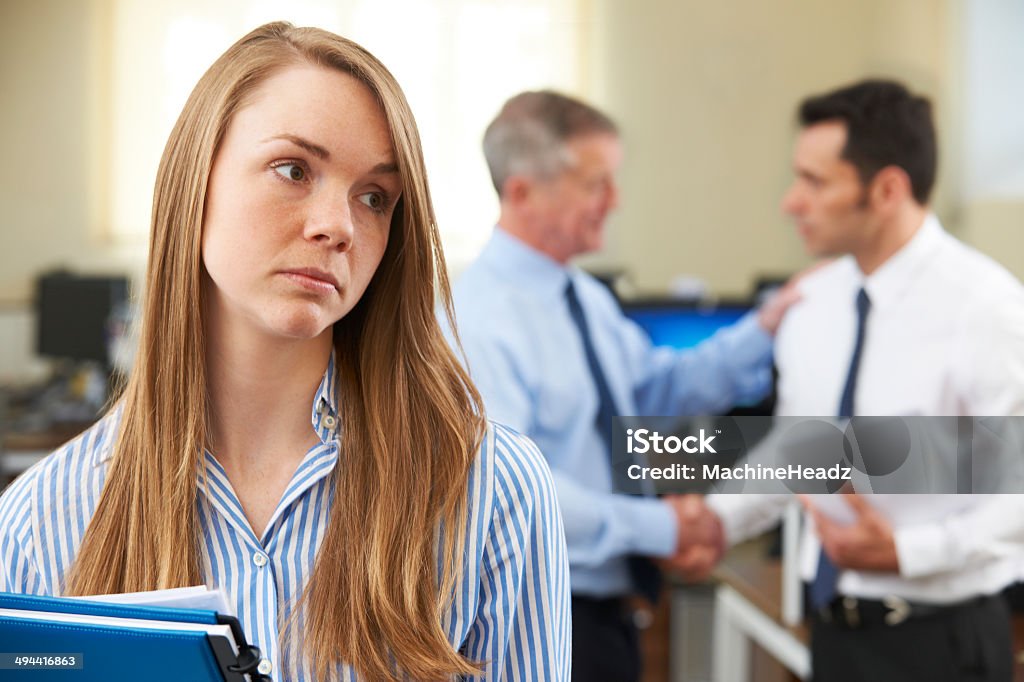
pixel 20 450
pixel 748 608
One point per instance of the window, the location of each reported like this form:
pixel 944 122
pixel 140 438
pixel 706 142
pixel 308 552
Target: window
pixel 994 60
pixel 457 60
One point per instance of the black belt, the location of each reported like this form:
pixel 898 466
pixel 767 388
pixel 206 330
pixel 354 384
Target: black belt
pixel 853 612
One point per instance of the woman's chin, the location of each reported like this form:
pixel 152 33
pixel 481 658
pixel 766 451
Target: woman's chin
pixel 300 324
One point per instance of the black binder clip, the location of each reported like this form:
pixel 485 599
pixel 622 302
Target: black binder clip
pixel 249 657
pixel 248 664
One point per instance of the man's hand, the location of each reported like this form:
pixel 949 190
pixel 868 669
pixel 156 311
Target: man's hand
pixel 701 542
pixel 867 544
pixel 771 312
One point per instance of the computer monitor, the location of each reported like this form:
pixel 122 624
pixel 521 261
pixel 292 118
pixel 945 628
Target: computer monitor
pixel 682 324
pixel 73 312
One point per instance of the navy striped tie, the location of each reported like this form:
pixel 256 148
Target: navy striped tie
pixel 645 575
pixel 823 589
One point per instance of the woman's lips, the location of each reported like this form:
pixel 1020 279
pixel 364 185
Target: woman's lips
pixel 312 279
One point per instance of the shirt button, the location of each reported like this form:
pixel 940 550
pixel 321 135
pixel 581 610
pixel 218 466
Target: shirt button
pixel 259 559
pixel 265 667
pixel 330 421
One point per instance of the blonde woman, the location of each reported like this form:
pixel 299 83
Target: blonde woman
pixel 296 430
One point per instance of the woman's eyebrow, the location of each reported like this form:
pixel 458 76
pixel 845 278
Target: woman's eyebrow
pixel 314 149
pixel 384 168
pixel 324 155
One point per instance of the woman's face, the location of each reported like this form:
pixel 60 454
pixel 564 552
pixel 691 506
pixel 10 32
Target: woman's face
pixel 299 204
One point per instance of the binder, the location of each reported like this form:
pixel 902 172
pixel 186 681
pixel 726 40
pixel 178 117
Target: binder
pixel 51 638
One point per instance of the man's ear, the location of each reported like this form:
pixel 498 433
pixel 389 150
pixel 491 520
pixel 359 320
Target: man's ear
pixel 890 188
pixel 517 189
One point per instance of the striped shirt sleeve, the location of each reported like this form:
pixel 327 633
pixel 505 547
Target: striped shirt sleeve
pixel 18 570
pixel 45 511
pixel 522 628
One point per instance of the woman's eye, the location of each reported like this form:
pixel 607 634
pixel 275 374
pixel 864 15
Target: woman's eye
pixel 374 201
pixel 291 171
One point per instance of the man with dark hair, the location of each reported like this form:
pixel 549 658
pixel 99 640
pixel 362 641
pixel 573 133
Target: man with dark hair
pixel 885 126
pixel 908 321
pixel 554 358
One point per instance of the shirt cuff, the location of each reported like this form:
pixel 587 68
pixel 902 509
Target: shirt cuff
pixel 924 549
pixel 653 525
pixel 729 510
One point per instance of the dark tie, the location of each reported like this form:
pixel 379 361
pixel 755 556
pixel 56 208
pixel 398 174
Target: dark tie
pixel 646 576
pixel 823 589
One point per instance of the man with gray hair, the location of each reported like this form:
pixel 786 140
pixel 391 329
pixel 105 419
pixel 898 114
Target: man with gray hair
pixel 554 358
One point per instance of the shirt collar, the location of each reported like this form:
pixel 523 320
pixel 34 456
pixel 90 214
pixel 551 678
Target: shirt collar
pixel 888 282
pixel 108 436
pixel 325 418
pixel 532 270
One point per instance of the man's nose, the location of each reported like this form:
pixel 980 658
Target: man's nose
pixel 792 201
pixel 611 196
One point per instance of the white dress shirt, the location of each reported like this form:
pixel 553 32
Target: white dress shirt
pixel 945 336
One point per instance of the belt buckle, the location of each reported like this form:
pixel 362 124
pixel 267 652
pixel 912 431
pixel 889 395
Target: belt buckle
pixel 640 612
pixel 850 612
pixel 899 609
pixel 643 618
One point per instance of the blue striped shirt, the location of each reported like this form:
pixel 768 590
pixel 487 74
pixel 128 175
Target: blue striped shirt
pixel 512 607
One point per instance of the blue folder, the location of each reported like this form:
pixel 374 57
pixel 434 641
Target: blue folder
pixel 49 638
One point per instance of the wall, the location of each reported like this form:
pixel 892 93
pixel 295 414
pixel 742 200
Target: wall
pixel 707 93
pixel 51 181
pixel 52 184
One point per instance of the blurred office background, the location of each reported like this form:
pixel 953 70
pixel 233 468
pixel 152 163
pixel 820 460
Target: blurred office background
pixel 705 95
pixel 704 92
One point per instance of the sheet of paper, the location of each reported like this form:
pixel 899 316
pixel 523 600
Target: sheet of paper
pixel 834 507
pixel 900 510
pixel 198 597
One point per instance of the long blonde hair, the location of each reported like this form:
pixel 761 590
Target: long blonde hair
pixel 384 575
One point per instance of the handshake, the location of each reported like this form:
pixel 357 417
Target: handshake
pixel 700 543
